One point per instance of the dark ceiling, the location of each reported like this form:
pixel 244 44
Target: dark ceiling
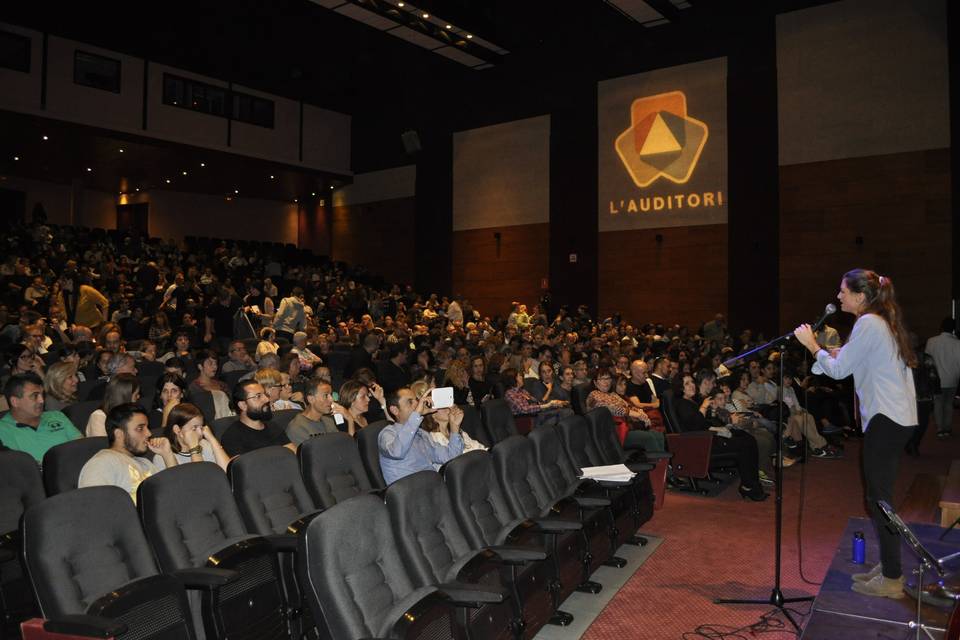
pixel 298 49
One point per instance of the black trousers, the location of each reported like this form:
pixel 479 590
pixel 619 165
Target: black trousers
pixel 882 447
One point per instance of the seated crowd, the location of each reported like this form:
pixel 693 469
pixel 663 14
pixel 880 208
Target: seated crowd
pixel 148 344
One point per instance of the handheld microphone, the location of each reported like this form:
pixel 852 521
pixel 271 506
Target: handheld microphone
pixel 828 310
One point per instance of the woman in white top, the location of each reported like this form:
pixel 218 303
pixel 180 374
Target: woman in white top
pixel 879 356
pixel 268 342
pixel 122 388
pixel 190 439
pixel 437 424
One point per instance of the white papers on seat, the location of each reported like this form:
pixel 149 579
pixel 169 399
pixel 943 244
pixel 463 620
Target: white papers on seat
pixel 608 473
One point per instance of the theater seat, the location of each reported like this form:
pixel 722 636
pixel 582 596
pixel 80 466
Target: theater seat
pixel 498 419
pixel 192 521
pixel 358 583
pixel 62 463
pixel 436 552
pixel 370 452
pixel 86 554
pixel 21 487
pixel 487 520
pixel 578 398
pixel 332 470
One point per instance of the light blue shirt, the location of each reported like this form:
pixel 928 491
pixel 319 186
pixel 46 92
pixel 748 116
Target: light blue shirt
pixel 405 449
pixel 882 379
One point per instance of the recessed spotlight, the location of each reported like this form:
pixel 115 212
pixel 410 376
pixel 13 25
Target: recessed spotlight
pixel 236 191
pixel 121 150
pixel 168 180
pixel 449 26
pixel 313 194
pixel 469 35
pixel 16 158
pixel 295 200
pixel 137 189
pixel 45 138
pixel 272 178
pixel 332 187
pixel 425 15
pixel 184 173
pixel 400 4
pixel 89 169
pixel 203 164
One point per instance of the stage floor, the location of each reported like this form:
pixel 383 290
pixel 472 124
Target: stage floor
pixel 833 610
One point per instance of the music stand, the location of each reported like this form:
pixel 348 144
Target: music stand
pixel 927 561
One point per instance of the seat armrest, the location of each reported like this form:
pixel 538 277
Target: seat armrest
pixel 462 594
pixel 206 578
pixel 556 525
pixel 298 525
pixel 652 456
pixel 283 542
pixel 518 555
pixel 591 503
pixel 84 625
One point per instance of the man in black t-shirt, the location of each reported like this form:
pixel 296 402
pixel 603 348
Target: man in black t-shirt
pixel 642 394
pixel 253 429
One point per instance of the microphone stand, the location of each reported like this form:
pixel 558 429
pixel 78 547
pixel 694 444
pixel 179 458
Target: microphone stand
pixel 776 598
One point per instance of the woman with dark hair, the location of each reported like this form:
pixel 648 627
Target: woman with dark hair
pixel 171 388
pixel 207 363
pixel 879 356
pixel 122 389
pixel 190 439
pixel 522 403
pixel 697 413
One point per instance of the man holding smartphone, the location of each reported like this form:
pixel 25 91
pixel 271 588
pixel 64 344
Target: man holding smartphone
pixel 404 447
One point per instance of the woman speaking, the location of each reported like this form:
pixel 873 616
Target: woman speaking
pixel 879 355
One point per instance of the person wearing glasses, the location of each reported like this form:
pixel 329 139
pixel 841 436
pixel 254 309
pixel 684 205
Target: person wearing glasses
pixel 253 429
pixel 278 387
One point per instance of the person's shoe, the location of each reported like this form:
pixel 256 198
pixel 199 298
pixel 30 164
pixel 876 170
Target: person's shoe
pixel 788 461
pixel 827 453
pixel 829 429
pixel 764 478
pixel 869 575
pixel 789 442
pixel 943 434
pixel 880 586
pixel 757 494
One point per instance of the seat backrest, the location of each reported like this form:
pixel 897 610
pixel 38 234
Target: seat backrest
pixel 354 574
pixel 231 378
pixel 80 545
pixel 63 462
pixel 575 436
pixel 431 541
pixel 79 412
pixel 534 387
pixel 283 417
pixel 668 409
pixel 478 501
pixel 332 469
pixel 268 489
pixel 21 486
pixel 498 419
pixel 555 467
pixel 473 425
pixel 189 513
pixel 220 425
pixel 578 398
pixel 603 431
pixel 204 401
pixel 517 473
pixel 370 452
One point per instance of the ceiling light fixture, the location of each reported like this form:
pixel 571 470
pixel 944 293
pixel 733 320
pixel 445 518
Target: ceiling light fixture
pixel 16 158
pixel 45 138
pixel 271 177
pixel 137 189
pixel 168 180
pixel 236 191
pixel 469 36
pixel 203 164
pixel 121 150
pixel 425 15
pixel 449 26
pixel 184 173
pixel 400 4
pixel 89 169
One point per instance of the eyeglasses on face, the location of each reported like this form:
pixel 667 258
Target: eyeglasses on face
pixel 256 396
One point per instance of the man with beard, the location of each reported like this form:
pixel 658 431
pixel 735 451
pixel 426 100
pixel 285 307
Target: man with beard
pixel 27 427
pixel 121 464
pixel 253 429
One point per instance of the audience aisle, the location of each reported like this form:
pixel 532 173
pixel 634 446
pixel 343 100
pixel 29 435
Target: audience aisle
pixel 724 547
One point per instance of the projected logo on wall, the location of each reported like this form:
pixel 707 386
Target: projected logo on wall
pixel 662 140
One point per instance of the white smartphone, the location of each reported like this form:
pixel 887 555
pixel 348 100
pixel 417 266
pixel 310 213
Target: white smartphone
pixel 442 398
pixel 338 419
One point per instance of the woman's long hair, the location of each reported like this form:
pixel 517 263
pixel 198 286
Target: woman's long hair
pixel 881 300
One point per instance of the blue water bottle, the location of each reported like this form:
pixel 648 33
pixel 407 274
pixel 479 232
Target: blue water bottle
pixel 859 548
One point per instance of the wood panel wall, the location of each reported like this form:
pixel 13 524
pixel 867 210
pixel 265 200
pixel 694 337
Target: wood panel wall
pixel 379 236
pixel 898 205
pixel 490 278
pixel 681 279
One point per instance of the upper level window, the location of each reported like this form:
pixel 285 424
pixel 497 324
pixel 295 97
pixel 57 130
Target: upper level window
pixel 217 101
pixel 95 71
pixel 14 51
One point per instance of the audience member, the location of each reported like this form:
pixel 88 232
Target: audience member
pixel 404 447
pixel 252 429
pixel 26 426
